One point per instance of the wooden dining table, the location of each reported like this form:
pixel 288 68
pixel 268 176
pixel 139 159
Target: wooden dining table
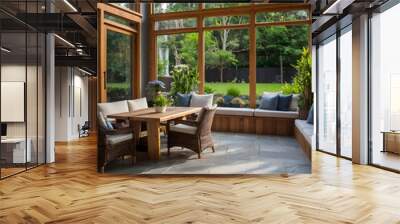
pixel 153 121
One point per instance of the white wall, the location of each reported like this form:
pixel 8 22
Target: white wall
pixel 71 102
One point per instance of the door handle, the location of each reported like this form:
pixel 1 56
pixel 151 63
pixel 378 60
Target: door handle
pixel 105 80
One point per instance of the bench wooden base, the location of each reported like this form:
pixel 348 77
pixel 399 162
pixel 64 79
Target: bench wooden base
pixel 254 125
pixel 231 123
pixel 305 146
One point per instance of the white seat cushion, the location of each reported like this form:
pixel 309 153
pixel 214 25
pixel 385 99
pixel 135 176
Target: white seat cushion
pixel 115 139
pixel 306 129
pixel 137 104
pixel 201 100
pixel 183 128
pixel 113 108
pixel 235 111
pixel 276 113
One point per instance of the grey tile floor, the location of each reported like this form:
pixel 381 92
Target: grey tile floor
pixel 234 154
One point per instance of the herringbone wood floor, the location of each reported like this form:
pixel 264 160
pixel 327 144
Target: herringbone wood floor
pixel 70 191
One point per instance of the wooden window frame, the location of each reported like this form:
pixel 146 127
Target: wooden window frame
pixel 201 13
pixel 104 25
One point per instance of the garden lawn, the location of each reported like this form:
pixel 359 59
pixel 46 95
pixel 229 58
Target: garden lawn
pixel 222 88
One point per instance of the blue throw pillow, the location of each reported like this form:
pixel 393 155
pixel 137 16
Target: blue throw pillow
pixel 310 117
pixel 284 102
pixel 183 100
pixel 269 102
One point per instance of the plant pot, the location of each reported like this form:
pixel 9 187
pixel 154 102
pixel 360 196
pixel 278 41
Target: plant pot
pixel 162 109
pixel 303 114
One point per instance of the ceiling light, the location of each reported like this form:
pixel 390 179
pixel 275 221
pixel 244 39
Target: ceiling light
pixel 65 41
pixel 70 5
pixel 5 50
pixel 84 71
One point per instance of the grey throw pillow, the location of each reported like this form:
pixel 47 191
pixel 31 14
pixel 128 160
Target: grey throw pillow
pixel 182 99
pixel 269 102
pixel 284 102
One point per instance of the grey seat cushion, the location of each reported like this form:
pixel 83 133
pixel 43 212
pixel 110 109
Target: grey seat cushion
pixel 306 129
pixel 115 139
pixel 275 113
pixel 235 111
pixel 183 128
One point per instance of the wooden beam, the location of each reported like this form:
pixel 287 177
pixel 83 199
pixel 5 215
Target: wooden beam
pixel 252 61
pixel 153 52
pixel 201 54
pixel 120 12
pixel 102 92
pixel 137 71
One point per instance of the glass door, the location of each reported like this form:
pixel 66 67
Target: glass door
pixel 119 53
pixel 119 63
pixel 327 96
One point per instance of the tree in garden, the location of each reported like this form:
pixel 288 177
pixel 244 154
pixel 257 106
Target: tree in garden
pixel 220 59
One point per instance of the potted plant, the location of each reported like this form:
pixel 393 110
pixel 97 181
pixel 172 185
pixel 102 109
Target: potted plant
pixel 160 103
pixel 302 82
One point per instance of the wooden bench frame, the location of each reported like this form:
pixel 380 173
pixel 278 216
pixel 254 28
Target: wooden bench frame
pixel 305 146
pixel 254 125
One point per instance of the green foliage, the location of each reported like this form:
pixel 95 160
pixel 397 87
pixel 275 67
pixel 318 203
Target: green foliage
pixel 290 88
pixel 233 91
pixel 184 80
pixel 222 87
pixel 302 80
pixel 161 67
pixel 161 101
pixel 276 42
pixel 208 90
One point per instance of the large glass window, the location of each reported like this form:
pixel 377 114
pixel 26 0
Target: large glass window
pixel 385 89
pixel 282 16
pixel 227 66
pixel 278 49
pixel 346 92
pixel 176 24
pixel 225 5
pixel 327 130
pixel 176 49
pixel 174 7
pixel 226 20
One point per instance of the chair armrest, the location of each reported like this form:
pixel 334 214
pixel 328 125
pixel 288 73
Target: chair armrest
pixel 118 131
pixel 188 122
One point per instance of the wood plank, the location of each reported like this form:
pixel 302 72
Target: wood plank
pixel 71 191
pixel 305 146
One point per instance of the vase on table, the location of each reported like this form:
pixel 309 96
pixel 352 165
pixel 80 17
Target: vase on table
pixel 161 109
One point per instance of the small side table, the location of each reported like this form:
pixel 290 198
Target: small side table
pixel 391 141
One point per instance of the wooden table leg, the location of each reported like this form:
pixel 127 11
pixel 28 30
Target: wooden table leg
pixel 153 139
pixel 137 128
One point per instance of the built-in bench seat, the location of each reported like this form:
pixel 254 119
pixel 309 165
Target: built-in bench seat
pixel 276 113
pixel 304 133
pixel 235 111
pixel 259 121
